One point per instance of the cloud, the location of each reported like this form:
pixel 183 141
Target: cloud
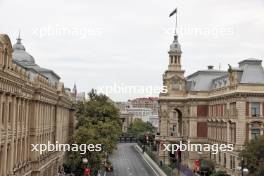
pixel 127 41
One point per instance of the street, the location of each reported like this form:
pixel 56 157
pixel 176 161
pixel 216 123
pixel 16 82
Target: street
pixel 128 162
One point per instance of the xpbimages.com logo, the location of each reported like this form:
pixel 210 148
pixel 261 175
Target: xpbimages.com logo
pixel 214 148
pixel 50 147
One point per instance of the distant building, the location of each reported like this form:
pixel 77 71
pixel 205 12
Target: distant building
pixel 145 102
pixel 154 120
pixel 80 97
pixel 127 120
pixel 122 106
pixel 141 113
pixel 145 109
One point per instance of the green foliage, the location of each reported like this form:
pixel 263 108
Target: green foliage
pixel 98 108
pixel 98 123
pixel 140 128
pixel 207 166
pixel 253 155
pixel 220 173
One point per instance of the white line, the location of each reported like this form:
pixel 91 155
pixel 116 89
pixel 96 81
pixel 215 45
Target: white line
pixel 147 162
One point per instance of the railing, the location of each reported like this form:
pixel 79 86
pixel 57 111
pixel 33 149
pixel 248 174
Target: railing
pixel 149 150
pixel 168 170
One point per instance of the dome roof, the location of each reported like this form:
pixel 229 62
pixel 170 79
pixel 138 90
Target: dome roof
pixel 175 47
pixel 19 53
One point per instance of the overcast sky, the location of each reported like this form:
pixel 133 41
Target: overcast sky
pixel 98 43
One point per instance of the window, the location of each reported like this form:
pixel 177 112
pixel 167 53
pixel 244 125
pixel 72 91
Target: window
pixel 233 132
pixel 3 113
pixel 9 112
pixel 171 59
pixel 247 108
pixel 255 133
pixel 255 109
pixel 202 129
pixel 232 162
pixel 202 111
pixel 5 58
pixel 233 108
pixel 174 128
pixel 224 160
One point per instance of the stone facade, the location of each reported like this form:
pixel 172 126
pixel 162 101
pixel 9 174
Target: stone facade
pixel 126 119
pixel 210 106
pixel 145 102
pixel 33 110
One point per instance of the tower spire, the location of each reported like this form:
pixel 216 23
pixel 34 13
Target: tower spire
pixel 74 90
pixel 18 38
pixel 175 48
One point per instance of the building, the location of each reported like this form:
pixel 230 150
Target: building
pixel 145 102
pixel 141 113
pixel 122 106
pixel 126 119
pixel 34 109
pixel 145 109
pixel 154 120
pixel 210 106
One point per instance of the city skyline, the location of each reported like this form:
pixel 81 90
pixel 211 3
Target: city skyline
pixel 93 47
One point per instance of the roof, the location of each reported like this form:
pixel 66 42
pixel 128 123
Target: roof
pixel 25 60
pixel 19 53
pixel 250 71
pixel 202 80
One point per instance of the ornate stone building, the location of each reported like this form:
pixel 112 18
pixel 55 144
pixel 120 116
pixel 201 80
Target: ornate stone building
pixel 211 106
pixel 34 109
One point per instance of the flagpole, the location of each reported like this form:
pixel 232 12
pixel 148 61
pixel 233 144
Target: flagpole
pixel 176 24
pixel 176 21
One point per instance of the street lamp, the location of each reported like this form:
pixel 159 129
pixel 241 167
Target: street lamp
pixel 242 168
pixel 87 171
pixel 85 161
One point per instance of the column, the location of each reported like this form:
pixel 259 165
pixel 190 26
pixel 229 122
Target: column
pixel 240 128
pixel 12 121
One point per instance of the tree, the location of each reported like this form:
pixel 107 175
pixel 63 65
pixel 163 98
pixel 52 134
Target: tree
pixel 253 155
pixel 140 128
pixel 98 123
pixel 220 173
pixel 207 166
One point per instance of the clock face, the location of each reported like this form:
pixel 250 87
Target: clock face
pixel 176 84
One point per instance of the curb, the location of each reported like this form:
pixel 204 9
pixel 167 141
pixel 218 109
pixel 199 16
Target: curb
pixel 152 164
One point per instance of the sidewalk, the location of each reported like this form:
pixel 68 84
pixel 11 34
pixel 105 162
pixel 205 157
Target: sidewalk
pixel 180 171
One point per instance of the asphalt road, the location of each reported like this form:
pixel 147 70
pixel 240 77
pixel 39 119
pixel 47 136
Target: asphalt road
pixel 127 161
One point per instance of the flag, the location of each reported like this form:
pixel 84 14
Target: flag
pixel 173 12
